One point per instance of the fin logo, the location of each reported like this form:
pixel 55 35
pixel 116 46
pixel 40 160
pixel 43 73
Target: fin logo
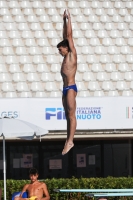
pixel 56 113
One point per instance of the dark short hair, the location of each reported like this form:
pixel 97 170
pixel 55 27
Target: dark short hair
pixel 33 171
pixel 63 43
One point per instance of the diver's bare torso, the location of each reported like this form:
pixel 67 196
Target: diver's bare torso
pixel 68 69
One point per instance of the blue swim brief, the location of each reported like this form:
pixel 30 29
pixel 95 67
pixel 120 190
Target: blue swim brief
pixel 65 89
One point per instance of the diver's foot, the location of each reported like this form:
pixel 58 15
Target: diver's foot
pixel 67 148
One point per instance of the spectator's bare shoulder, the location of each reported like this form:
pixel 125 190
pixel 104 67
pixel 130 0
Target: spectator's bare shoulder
pixel 44 185
pixel 26 186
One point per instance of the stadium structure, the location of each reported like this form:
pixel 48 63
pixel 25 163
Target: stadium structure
pixel 31 86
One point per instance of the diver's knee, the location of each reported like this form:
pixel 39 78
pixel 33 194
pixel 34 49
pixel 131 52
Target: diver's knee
pixel 71 114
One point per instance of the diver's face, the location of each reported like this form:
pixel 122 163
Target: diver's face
pixel 63 51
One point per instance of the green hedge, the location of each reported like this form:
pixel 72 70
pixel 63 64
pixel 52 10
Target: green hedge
pixel 73 183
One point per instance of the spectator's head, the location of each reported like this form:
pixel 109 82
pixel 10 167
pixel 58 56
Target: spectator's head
pixel 33 174
pixel 102 198
pixel 63 47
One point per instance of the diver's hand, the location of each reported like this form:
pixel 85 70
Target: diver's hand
pixel 64 15
pixel 68 14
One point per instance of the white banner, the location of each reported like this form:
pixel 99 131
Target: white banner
pixel 91 113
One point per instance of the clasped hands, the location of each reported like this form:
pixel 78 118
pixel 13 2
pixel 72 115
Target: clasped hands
pixel 66 15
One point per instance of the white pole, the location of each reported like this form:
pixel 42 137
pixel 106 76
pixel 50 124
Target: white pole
pixel 4 167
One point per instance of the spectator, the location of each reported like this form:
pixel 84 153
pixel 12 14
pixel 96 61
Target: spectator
pixel 36 190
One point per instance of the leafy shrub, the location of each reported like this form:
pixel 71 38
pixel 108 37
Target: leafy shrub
pixel 73 183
